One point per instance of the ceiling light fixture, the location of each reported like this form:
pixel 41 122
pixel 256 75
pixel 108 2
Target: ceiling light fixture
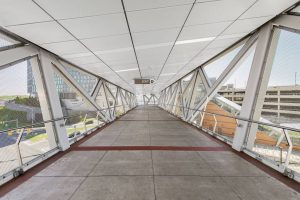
pixel 126 70
pixel 195 40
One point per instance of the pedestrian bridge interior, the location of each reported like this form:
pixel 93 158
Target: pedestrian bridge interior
pixel 149 99
pixel 150 154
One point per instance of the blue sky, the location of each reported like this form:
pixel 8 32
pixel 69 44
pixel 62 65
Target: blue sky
pixel 286 63
pixel 287 60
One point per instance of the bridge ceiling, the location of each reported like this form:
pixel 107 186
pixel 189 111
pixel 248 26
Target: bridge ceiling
pixel 123 40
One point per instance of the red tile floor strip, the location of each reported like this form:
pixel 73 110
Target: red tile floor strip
pixel 272 172
pixel 147 148
pixel 4 189
pixel 14 183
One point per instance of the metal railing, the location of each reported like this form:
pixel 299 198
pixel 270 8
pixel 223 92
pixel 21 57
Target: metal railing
pixel 273 143
pixel 28 145
pixel 239 118
pixel 57 119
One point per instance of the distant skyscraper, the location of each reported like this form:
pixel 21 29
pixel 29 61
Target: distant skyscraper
pixel 31 89
pixel 87 82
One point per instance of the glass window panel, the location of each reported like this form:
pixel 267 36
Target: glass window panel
pixel 125 100
pixel 81 116
pixel 234 88
pixel 178 110
pixel 229 98
pixel 296 10
pixel 6 41
pixel 101 98
pixel 187 93
pixel 199 92
pixel 85 80
pixel 110 97
pixel 174 89
pixel 151 99
pixel 18 96
pixel 112 88
pixel 186 80
pixel 214 69
pixel 119 105
pixel 282 101
pixel 19 107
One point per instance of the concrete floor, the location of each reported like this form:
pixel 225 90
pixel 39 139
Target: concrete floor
pixel 151 175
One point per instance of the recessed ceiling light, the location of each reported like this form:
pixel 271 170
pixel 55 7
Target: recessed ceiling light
pixel 195 40
pixel 126 70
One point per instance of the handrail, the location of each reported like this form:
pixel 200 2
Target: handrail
pixel 240 118
pixel 57 119
pixel 279 140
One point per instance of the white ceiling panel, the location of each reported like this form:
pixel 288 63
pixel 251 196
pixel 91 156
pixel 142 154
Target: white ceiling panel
pixel 213 25
pixel 99 70
pixel 186 70
pixel 121 64
pixel 130 75
pixel 153 56
pixel 196 62
pixel 122 67
pixel 40 33
pixel 155 19
pixel 163 79
pixel 206 55
pixel 85 60
pixel 65 48
pixel 181 58
pixel 267 7
pixel 172 67
pixel 222 43
pixel 218 11
pixel 146 4
pixel 155 37
pixel 203 31
pixel 184 52
pixel 21 12
pixel 108 43
pixel 112 77
pixel 184 56
pixel 151 71
pixel 246 25
pixel 97 26
pixel 170 70
pixel 99 65
pixel 62 9
pixel 122 56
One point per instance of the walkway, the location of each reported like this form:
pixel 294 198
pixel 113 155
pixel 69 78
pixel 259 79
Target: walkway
pixel 151 155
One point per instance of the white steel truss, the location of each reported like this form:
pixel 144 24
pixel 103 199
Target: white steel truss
pixel 44 66
pixel 181 104
pixel 152 99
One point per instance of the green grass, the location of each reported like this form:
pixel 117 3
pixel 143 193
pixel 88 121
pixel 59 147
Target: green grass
pixel 294 134
pixel 69 132
pixel 38 138
pixel 6 98
pixel 7 115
